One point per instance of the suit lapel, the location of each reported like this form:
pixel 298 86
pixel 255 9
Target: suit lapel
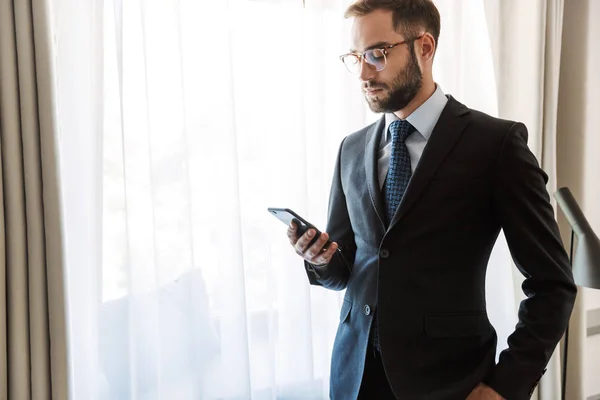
pixel 372 141
pixel 446 133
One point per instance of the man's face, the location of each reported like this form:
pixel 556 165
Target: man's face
pixel 394 87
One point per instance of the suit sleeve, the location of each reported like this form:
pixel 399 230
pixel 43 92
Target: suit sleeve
pixel 523 207
pixel 336 274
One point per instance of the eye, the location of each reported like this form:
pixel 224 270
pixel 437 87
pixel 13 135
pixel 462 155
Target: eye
pixel 375 55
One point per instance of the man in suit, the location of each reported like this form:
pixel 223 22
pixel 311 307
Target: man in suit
pixel 417 202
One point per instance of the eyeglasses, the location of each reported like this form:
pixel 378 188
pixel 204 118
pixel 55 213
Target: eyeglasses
pixel 375 57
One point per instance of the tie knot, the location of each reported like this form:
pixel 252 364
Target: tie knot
pixel 401 130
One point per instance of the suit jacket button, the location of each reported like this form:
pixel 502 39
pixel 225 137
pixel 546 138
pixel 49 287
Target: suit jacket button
pixel 367 309
pixel 384 253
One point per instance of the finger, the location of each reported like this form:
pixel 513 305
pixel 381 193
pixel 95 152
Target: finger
pixel 304 240
pixel 291 233
pixel 316 248
pixel 325 257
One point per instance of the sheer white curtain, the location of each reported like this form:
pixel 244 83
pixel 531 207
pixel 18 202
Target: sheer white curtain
pixel 181 122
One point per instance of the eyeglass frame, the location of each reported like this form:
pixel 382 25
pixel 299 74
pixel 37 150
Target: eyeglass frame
pixel 384 51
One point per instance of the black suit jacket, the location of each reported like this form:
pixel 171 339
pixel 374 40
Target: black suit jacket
pixel 425 273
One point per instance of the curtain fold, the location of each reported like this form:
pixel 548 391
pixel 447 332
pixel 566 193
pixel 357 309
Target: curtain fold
pixel 32 319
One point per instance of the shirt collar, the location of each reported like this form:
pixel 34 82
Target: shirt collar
pixel 423 118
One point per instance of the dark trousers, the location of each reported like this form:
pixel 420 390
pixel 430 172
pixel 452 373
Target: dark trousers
pixel 374 385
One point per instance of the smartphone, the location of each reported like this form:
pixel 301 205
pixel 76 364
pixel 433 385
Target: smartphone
pixel 287 216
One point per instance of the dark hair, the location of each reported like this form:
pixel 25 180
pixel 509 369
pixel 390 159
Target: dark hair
pixel 410 17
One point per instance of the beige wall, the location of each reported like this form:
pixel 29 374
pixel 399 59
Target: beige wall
pixel 579 141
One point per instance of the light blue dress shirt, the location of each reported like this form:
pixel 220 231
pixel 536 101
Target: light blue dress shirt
pixel 424 120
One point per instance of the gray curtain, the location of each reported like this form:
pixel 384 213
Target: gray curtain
pixel 33 356
pixel 578 162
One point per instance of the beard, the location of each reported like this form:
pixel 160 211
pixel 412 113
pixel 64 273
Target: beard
pixel 402 90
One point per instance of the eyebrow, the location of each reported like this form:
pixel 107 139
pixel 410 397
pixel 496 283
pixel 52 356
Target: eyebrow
pixel 377 45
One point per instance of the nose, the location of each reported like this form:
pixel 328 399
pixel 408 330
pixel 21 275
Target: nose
pixel 367 71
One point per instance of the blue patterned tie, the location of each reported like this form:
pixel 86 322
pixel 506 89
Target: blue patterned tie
pixel 399 172
pixel 398 175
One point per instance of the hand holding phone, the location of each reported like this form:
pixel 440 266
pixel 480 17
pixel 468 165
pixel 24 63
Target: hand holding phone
pixel 314 247
pixel 308 242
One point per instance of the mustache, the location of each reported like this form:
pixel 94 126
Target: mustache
pixel 373 85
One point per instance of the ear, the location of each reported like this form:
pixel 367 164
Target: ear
pixel 426 47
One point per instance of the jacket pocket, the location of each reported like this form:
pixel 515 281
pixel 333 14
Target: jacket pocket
pixel 345 311
pixel 457 325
